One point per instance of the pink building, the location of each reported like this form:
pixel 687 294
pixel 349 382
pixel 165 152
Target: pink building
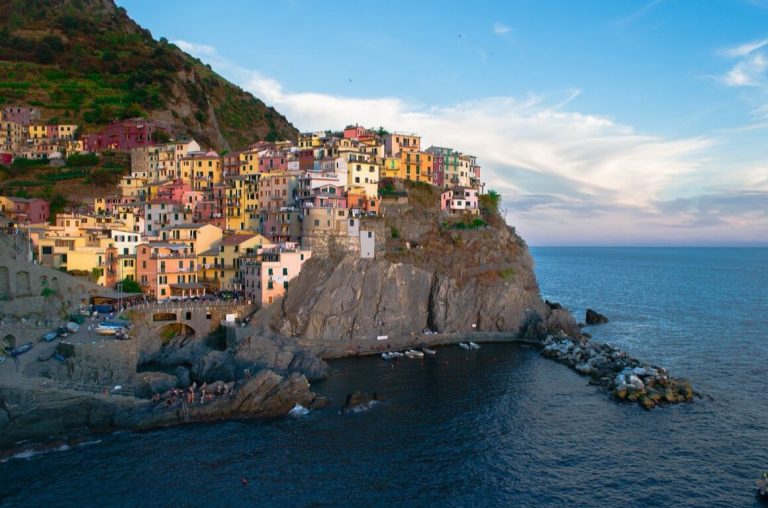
pixel 23 210
pixel 20 115
pixel 460 200
pixel 273 161
pixel 173 191
pixel 167 269
pixel 265 277
pixel 125 135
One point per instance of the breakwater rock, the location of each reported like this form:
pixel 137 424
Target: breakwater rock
pixel 626 377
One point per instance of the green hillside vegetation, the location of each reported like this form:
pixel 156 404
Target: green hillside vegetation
pixel 79 180
pixel 87 62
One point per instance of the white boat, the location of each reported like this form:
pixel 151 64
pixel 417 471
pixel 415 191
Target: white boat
pixel 298 410
pixel 107 330
pixel 73 327
pixel 428 351
pixel 382 337
pixel 412 353
pixel 464 345
pixel 387 356
pixel 473 345
pixel 396 354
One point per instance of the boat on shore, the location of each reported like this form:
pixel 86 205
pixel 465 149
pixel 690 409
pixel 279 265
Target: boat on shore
pixel 464 345
pixel 49 337
pixel 107 330
pixel 412 353
pixel 428 351
pixel 473 345
pixel 20 350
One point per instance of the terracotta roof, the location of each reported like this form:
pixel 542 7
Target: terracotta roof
pixel 236 239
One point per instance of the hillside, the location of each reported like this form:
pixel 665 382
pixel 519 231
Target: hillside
pixel 88 62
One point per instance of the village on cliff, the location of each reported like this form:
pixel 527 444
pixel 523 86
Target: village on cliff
pixel 188 221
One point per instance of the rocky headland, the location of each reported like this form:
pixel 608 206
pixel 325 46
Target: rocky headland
pixel 433 282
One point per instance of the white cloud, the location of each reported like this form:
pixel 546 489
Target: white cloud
pixel 748 72
pixel 198 50
pixel 564 175
pixel 745 49
pixel 501 29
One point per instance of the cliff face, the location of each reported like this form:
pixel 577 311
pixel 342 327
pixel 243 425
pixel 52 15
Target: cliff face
pixel 87 62
pixel 427 275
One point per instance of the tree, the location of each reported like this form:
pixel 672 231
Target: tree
pixel 490 203
pixel 130 286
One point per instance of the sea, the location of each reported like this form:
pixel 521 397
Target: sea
pixel 501 426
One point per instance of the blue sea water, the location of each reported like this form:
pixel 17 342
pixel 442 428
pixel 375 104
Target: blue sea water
pixel 501 426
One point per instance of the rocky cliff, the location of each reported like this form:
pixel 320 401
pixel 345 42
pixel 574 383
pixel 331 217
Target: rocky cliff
pixel 429 274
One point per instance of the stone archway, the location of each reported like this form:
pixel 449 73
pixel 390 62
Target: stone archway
pixel 168 332
pixel 23 284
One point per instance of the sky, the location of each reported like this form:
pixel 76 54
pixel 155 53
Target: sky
pixel 633 122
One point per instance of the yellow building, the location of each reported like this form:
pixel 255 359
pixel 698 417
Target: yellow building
pixel 363 170
pixel 37 132
pixel 12 135
pixel 66 131
pixel 311 139
pixel 201 171
pixel 218 266
pixel 416 166
pixel 391 167
pixel 199 237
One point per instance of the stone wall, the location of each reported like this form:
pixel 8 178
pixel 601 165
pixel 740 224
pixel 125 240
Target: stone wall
pixel 31 290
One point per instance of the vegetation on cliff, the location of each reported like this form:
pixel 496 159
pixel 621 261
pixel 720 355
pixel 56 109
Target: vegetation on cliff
pixel 87 62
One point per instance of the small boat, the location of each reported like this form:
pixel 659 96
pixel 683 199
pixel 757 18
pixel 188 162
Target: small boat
pixel 396 354
pixel 412 353
pixel 464 345
pixel 107 330
pixel 428 351
pixel 50 336
pixel 387 356
pixel 473 345
pixel 762 487
pixel 382 337
pixel 20 350
pixel 73 327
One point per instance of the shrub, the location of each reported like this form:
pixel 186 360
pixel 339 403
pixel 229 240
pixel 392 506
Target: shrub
pixel 395 232
pixel 82 159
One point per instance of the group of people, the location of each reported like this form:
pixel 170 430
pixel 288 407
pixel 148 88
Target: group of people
pixel 192 395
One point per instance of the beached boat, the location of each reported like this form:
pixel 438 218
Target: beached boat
pixel 464 345
pixel 50 336
pixel 107 330
pixel 473 345
pixel 21 349
pixel 73 327
pixel 387 356
pixel 428 351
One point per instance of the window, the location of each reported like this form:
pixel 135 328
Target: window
pixel 370 234
pixel 285 271
pixel 269 286
pixel 285 285
pixel 269 272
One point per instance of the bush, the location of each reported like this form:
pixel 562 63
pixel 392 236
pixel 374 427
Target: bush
pixel 395 232
pixel 82 159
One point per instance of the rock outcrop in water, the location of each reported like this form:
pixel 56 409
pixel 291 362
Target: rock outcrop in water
pixel 627 378
pixel 595 318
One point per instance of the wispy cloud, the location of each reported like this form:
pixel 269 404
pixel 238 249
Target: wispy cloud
pixel 558 170
pixel 198 50
pixel 639 13
pixel 745 49
pixel 501 29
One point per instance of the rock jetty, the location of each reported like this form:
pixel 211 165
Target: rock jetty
pixel 627 378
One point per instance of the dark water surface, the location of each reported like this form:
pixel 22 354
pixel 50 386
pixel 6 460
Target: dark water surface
pixel 497 427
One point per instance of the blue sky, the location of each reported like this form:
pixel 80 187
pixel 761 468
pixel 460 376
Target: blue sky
pixel 602 122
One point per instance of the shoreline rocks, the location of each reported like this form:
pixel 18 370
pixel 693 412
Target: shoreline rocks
pixel 627 378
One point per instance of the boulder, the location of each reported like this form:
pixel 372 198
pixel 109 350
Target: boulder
pixel 149 383
pixel 182 374
pixel 358 401
pixel 595 318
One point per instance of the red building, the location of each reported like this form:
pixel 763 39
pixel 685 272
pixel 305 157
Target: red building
pixel 125 135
